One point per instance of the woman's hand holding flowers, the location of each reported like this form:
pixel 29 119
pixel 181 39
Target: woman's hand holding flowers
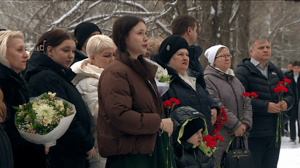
pixel 240 131
pixel 167 126
pixel 214 113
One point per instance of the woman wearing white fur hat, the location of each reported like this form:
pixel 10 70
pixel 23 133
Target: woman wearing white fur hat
pixel 227 91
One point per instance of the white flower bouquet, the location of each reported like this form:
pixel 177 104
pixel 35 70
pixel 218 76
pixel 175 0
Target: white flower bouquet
pixel 44 119
pixel 162 78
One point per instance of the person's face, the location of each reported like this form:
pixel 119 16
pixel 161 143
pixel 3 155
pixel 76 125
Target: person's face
pixel 180 61
pixel 261 51
pixel 63 54
pixel 290 67
pixel 83 49
pixel 137 41
pixel 196 138
pixel 16 54
pixel 296 69
pixel 223 60
pixel 104 58
pixel 194 34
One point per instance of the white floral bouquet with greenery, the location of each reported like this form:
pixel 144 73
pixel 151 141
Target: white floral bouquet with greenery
pixel 44 119
pixel 162 78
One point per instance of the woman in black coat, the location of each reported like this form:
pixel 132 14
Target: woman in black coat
pixel 12 61
pixel 48 69
pixel 186 85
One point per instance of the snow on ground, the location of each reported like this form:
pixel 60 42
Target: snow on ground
pixel 289 154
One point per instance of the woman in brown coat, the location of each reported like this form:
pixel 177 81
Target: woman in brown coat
pixel 227 91
pixel 130 107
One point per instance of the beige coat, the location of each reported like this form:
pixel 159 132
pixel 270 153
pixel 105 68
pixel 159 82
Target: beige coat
pixel 227 91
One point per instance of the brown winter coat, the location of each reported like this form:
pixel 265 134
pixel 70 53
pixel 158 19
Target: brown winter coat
pixel 129 107
pixel 227 91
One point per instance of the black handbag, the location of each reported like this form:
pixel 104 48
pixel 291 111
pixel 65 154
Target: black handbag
pixel 237 157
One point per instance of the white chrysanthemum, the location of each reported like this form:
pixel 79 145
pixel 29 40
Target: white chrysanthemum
pixel 45 111
pixel 59 103
pixel 161 72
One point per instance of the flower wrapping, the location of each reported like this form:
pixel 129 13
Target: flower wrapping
pixel 42 120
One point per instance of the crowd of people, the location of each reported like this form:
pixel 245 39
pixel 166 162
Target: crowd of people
pixel 120 117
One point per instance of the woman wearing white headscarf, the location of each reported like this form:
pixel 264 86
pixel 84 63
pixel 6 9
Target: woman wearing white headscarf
pixel 227 91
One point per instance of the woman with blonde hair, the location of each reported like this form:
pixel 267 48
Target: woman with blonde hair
pixel 100 50
pixel 13 58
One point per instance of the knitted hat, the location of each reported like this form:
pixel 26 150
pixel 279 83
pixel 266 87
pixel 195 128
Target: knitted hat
pixel 83 31
pixel 211 53
pixel 2 108
pixel 192 127
pixel 170 46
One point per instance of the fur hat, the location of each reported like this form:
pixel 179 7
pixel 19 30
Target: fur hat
pixel 83 31
pixel 170 46
pixel 192 127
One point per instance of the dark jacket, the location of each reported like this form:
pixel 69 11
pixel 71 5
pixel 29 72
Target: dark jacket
pixel 129 107
pixel 188 155
pixel 43 75
pixel 199 99
pixel 296 90
pixel 15 93
pixel 194 54
pixel 79 56
pixel 264 123
pixel 6 159
pixel 227 91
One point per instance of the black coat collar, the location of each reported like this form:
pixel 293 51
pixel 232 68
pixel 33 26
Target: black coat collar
pixel 40 61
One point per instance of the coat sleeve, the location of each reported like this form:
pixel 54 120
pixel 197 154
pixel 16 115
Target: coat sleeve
pixel 233 122
pixel 75 138
pixel 88 88
pixel 115 96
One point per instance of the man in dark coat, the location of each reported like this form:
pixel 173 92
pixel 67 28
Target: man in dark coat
pixel 186 27
pixel 261 76
pixel 295 86
pixel 82 33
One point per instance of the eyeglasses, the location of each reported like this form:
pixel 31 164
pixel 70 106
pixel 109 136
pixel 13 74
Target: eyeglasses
pixel 224 56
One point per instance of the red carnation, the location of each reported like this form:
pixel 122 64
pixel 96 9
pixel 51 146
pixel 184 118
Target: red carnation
pixel 253 94
pixel 215 131
pixel 287 80
pixel 281 83
pixel 175 101
pixel 219 137
pixel 167 103
pixel 278 89
pixel 246 94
